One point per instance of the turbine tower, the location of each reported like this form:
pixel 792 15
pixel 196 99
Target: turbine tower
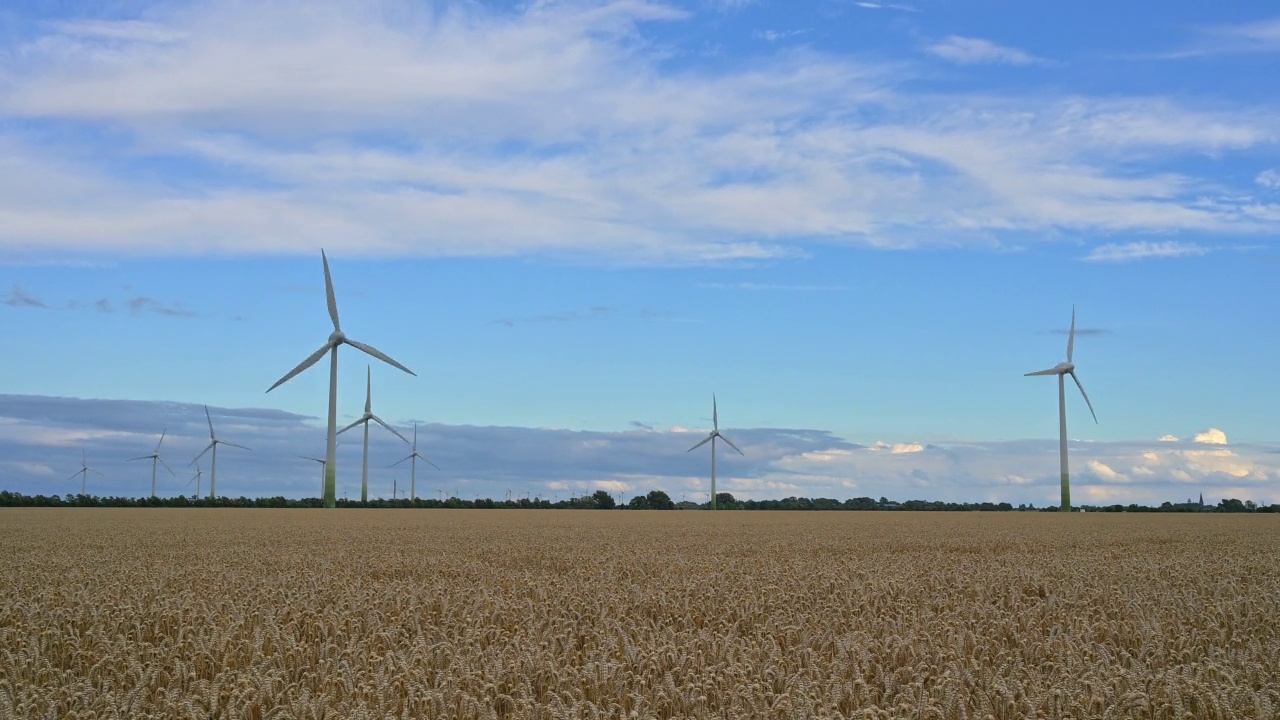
pixel 711 438
pixel 84 471
pixel 322 465
pixel 1062 370
pixel 154 457
pixel 214 442
pixel 336 338
pixel 365 419
pixel 414 457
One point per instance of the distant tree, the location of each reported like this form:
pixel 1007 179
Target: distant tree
pixel 658 500
pixel 726 501
pixel 603 500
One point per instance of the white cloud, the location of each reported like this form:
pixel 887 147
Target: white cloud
pixel 1212 436
pixel 1105 472
pixel 906 448
pixel 1269 179
pixel 976 51
pixel 556 130
pixel 1168 438
pixel 1142 250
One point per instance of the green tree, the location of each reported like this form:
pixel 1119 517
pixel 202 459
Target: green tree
pixel 658 500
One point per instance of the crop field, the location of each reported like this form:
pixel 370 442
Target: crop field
pixel 111 613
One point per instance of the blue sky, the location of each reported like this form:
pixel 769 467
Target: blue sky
pixel 858 223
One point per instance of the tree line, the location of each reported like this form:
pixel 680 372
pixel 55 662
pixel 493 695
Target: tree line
pixel 602 500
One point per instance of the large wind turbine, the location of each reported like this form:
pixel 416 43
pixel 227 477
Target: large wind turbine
pixel 414 457
pixel 1063 369
pixel 365 419
pixel 214 442
pixel 336 338
pixel 711 438
pixel 84 471
pixel 154 457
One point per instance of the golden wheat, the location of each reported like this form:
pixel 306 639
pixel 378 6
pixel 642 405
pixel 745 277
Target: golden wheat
pixel 538 614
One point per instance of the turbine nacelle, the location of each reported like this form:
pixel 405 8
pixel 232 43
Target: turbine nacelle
pixel 336 338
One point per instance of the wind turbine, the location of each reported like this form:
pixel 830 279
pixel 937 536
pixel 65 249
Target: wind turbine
pixel 413 466
pixel 214 442
pixel 365 420
pixel 322 465
pixel 154 457
pixel 1063 369
pixel 336 338
pixel 84 471
pixel 711 438
pixel 196 479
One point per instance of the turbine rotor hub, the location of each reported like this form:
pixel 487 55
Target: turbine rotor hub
pixel 337 337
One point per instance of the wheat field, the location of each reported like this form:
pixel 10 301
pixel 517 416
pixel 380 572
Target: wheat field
pixel 158 613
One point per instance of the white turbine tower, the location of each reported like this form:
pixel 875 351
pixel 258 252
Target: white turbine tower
pixel 336 338
pixel 214 442
pixel 154 457
pixel 322 464
pixel 365 419
pixel 711 438
pixel 414 457
pixel 83 472
pixel 1063 369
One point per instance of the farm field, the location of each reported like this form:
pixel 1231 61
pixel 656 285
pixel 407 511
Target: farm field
pixel 134 613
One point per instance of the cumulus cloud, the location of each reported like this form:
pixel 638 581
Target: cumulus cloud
pixel 1168 438
pixel 976 51
pixel 1212 436
pixel 904 448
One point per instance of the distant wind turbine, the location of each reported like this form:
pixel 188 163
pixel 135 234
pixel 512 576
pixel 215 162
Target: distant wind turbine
pixel 214 442
pixel 414 457
pixel 84 471
pixel 711 438
pixel 365 419
pixel 196 479
pixel 1063 369
pixel 154 457
pixel 336 338
pixel 322 465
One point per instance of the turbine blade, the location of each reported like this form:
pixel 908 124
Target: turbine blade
pixel 705 440
pixel 388 427
pixel 210 419
pixel 351 426
pixel 95 472
pixel 424 459
pixel 305 457
pixel 312 360
pixel 1050 371
pixel 368 389
pixel 1086 397
pixel 224 442
pixel 202 452
pixel 74 474
pixel 166 466
pixel 735 447
pixel 144 457
pixel 378 354
pixel 715 413
pixel 1071 336
pixel 406 457
pixel 328 292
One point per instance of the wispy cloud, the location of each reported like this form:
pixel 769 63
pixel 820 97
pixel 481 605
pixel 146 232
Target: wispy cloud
pixel 780 287
pixel 563 131
pixel 18 297
pixel 144 305
pixel 1269 179
pixel 977 51
pixel 886 6
pixel 1141 250
pixel 595 313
